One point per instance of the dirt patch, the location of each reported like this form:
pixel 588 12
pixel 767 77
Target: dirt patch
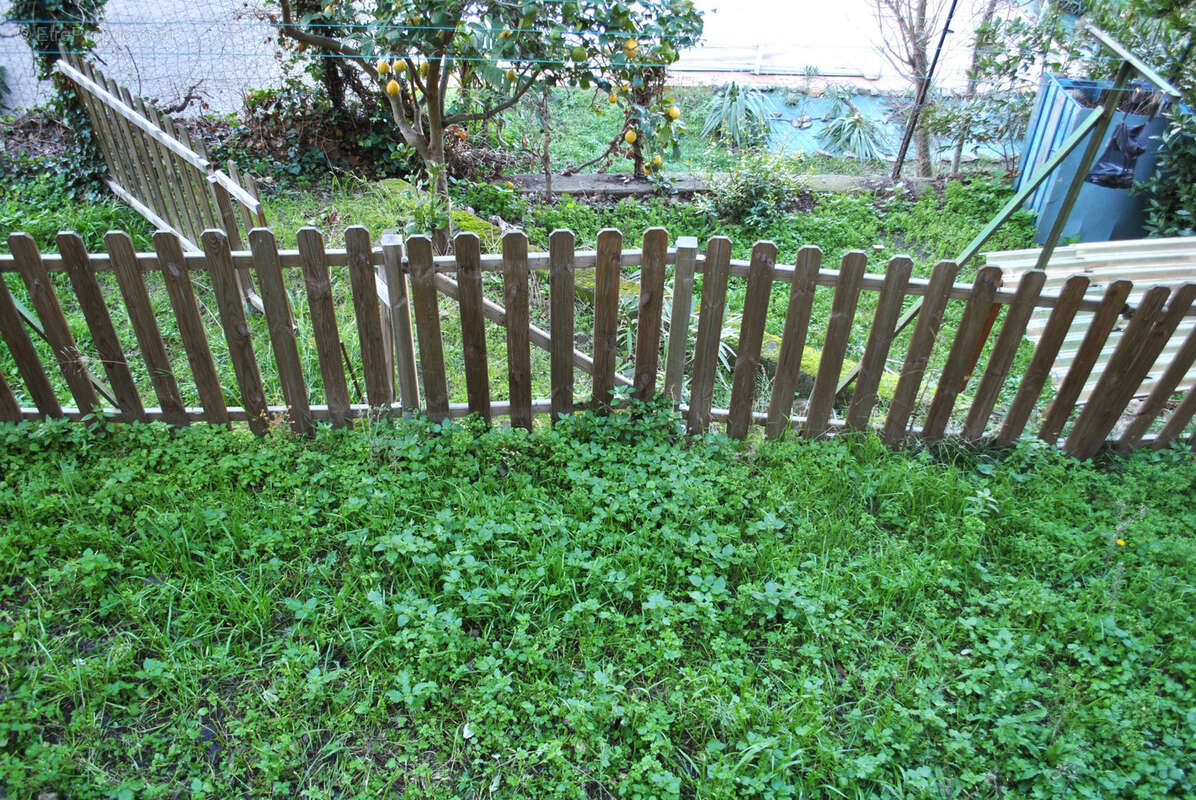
pixel 34 135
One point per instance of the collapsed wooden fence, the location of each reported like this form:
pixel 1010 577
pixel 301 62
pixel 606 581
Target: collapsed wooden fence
pixel 414 280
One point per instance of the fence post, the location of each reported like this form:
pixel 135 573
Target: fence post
pixel 400 321
pixel 679 316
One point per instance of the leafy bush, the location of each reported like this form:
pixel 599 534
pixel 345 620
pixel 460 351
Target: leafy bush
pixel 490 200
pixel 44 205
pixel 762 188
pixel 603 603
pixel 738 115
pixel 1171 193
pixel 630 216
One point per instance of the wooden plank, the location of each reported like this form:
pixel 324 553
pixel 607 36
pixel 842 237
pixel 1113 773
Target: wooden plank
pixel 880 339
pixel 148 163
pixel 191 330
pixel 378 383
pixel 1012 330
pixel 162 161
pixel 282 329
pixel 54 325
pixel 473 324
pixel 1140 423
pixel 1122 376
pixel 236 330
pixel 182 185
pixel 606 316
pixel 968 338
pixel 10 411
pixel 133 146
pixel 111 138
pixel 1039 369
pixel 834 348
pixel 751 336
pixel 324 326
pixel 1179 419
pixel 145 327
pixel 12 328
pixel 203 194
pixel 399 293
pixel 98 125
pixel 1102 323
pixel 519 363
pixel 683 293
pixel 1113 390
pixel 99 323
pixel 651 305
pixel 793 340
pixel 917 356
pixel 710 326
pixel 427 326
pixel 561 298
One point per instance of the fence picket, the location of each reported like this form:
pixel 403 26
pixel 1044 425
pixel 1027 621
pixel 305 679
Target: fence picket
pixel 561 297
pixel 171 209
pixel 324 325
pixel 236 330
pixel 1102 323
pixel 793 340
pixel 1178 420
pixel 399 295
pixel 378 383
pixel 880 339
pixel 917 355
pixel 519 359
pixel 473 324
pixel 9 410
pixel 427 326
pixel 969 339
pixel 145 327
pixel 1016 318
pixel 112 136
pixel 29 367
pixel 683 294
pixel 710 328
pixel 834 348
pixel 1036 374
pixel 282 328
pixel 195 341
pixel 187 218
pixel 751 336
pixel 1181 362
pixel 54 325
pixel 607 279
pixel 651 305
pixel 1140 345
pixel 77 264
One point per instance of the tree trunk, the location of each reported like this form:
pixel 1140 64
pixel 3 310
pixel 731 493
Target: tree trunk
pixel 922 148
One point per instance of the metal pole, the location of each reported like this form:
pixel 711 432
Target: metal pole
pixel 923 90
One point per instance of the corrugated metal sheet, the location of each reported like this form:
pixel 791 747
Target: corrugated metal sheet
pixel 1146 262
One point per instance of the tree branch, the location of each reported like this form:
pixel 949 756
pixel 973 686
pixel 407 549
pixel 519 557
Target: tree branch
pixel 503 106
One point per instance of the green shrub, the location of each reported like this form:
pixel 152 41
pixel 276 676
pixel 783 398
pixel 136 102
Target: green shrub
pixel 44 205
pixel 1171 193
pixel 738 115
pixel 762 188
pixel 489 200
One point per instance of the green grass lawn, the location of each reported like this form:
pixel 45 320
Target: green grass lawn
pixel 607 609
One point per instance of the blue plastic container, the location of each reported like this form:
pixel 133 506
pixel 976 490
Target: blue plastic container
pixel 1100 214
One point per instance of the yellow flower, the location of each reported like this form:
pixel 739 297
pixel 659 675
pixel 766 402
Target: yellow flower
pixel 1121 542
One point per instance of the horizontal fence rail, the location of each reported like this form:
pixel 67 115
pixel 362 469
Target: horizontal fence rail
pixel 377 322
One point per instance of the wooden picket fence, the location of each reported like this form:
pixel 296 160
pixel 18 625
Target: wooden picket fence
pixel 413 280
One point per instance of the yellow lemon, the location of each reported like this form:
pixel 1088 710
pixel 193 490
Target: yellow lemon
pixel 630 137
pixel 631 45
pixel 674 112
pixel 657 161
pixel 509 185
pixel 327 9
pixel 511 75
pixel 383 66
pixel 423 70
pixel 399 67
pixel 392 87
pixel 613 99
pixel 647 170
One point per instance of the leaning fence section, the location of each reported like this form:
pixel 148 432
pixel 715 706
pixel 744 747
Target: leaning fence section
pixel 156 167
pixel 400 363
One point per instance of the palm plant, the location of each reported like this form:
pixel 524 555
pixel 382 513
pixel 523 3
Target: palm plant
pixel 736 114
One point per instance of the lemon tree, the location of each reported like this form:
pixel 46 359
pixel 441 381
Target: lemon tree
pixel 443 64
